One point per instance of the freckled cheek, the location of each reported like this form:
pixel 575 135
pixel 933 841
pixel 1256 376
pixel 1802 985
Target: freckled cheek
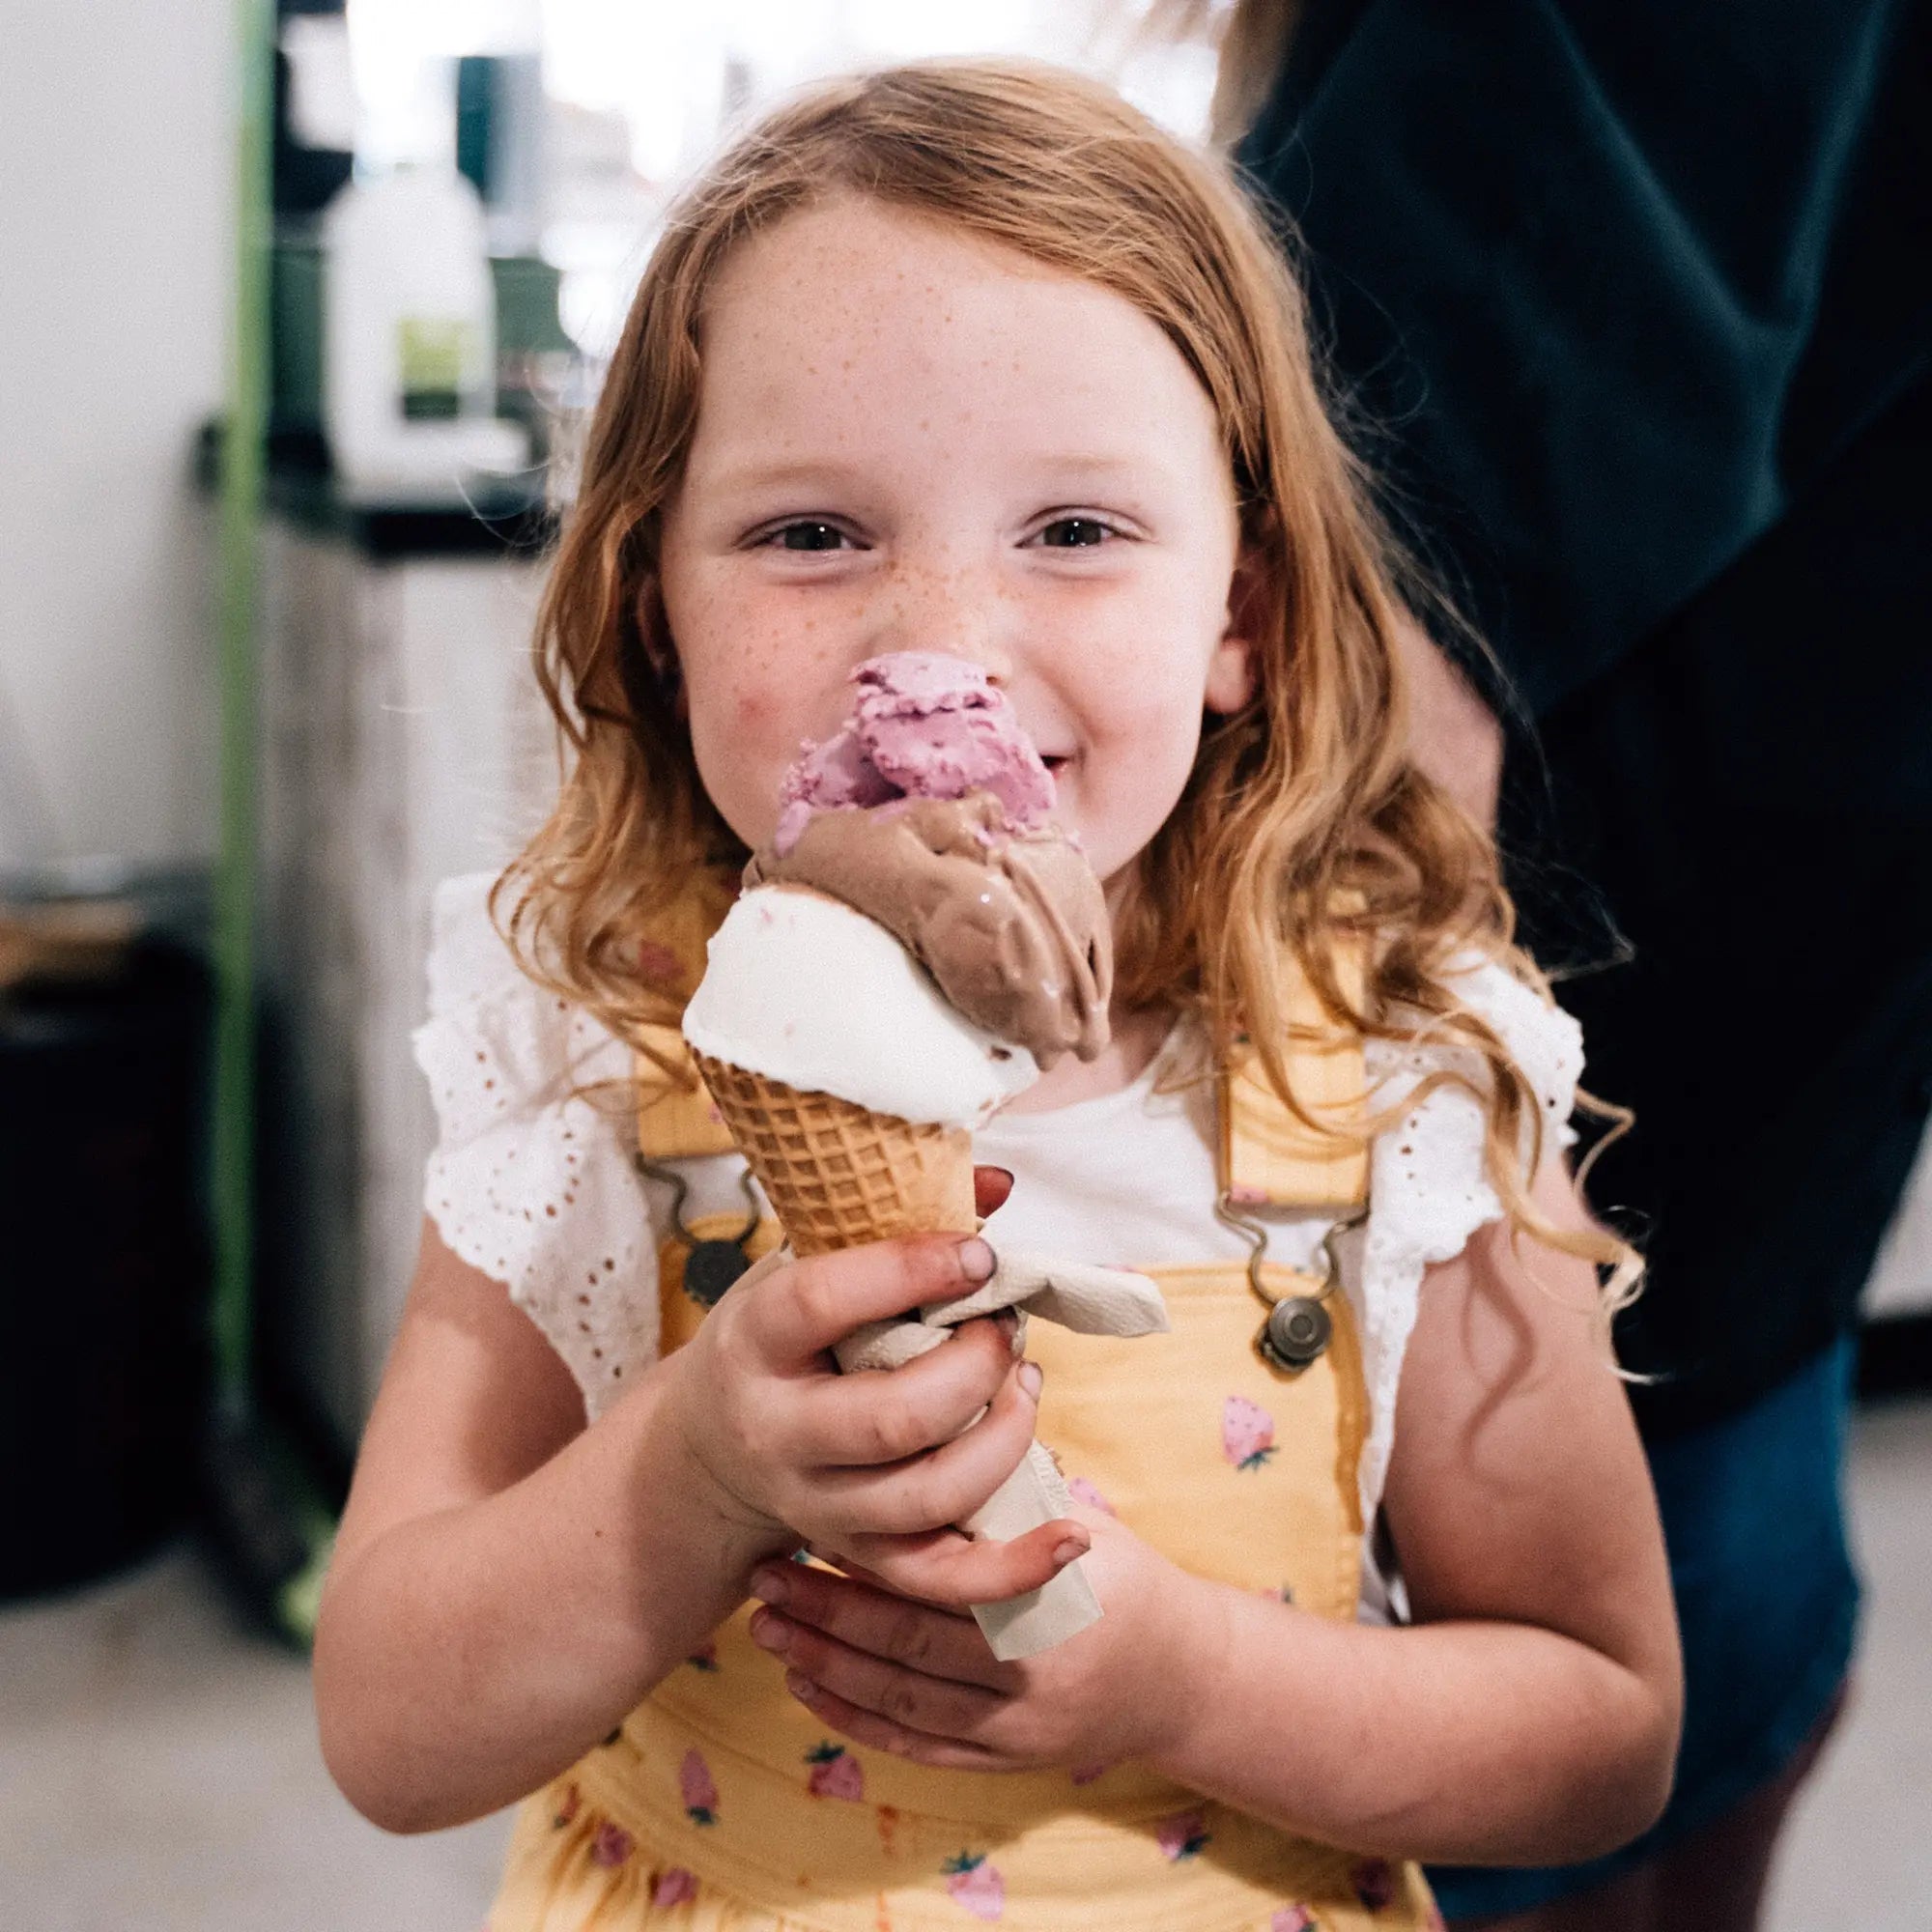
pixel 777 673
pixel 1130 767
pixel 754 705
pixel 1142 712
pixel 739 778
pixel 743 723
pixel 1142 649
pixel 760 682
pixel 1141 734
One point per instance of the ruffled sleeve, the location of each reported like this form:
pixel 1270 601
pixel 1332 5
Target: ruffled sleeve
pixel 1427 1179
pixel 532 1181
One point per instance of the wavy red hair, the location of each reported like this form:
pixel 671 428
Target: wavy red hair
pixel 1305 835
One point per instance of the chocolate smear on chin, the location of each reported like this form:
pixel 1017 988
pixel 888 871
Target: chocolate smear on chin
pixel 1011 925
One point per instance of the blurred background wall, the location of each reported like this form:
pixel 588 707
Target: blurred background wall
pixel 115 146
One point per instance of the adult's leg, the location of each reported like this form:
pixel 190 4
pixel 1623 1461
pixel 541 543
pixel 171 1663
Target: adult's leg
pixel 1624 1904
pixel 1711 1880
pixel 1715 1880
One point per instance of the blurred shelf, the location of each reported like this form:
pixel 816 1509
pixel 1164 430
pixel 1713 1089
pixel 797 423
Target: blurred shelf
pixel 494 515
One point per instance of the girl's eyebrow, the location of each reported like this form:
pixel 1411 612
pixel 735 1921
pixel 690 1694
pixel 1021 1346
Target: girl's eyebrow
pixel 783 475
pixel 1093 465
pixel 752 473
pixel 1073 471
pixel 1060 474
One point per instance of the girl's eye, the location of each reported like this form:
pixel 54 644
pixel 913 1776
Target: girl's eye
pixel 807 535
pixel 1074 533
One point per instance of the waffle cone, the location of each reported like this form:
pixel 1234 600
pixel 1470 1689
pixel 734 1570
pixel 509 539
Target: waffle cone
pixel 838 1175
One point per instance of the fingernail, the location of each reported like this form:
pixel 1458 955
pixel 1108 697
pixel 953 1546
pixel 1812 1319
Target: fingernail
pixel 801 1688
pixel 770 1586
pixel 1005 1172
pixel 771 1633
pixel 1066 1549
pixel 976 1261
pixel 1033 1378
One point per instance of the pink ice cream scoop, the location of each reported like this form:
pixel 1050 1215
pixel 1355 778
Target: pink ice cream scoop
pixel 929 811
pixel 922 725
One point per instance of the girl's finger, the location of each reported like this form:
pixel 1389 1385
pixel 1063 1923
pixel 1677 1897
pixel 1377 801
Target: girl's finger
pixel 941 1643
pixel 953 1571
pixel 795 1313
pixel 991 1188
pixel 881 1734
pixel 850 1565
pixel 942 1487
pixel 884 1415
pixel 938 1706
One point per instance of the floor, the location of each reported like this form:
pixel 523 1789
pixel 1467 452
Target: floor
pixel 159 1771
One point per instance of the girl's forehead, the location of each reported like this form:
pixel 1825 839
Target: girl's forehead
pixel 849 253
pixel 852 306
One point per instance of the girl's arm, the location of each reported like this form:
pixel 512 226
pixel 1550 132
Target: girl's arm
pixel 1529 1716
pixel 507 1584
pixel 489 1612
pixel 1530 1713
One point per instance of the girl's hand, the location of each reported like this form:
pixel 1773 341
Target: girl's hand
pixel 919 1680
pixel 874 1468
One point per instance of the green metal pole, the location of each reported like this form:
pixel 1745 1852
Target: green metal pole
pixel 269 1520
pixel 245 431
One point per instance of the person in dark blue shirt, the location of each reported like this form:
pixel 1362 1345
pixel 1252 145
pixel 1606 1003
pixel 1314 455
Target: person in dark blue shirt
pixel 1634 303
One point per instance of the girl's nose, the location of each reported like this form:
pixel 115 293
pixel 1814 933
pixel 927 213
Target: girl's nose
pixel 993 659
pixel 954 612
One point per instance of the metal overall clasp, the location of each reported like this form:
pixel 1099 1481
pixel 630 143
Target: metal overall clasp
pixel 1297 1327
pixel 711 1266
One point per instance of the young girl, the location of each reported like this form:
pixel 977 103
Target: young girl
pixel 973 359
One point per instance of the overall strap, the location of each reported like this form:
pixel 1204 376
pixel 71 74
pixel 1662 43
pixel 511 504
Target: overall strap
pixel 1267 1156
pixel 676 1118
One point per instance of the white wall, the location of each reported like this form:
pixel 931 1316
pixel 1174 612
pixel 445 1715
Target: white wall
pixel 114 243
pixel 1901 1279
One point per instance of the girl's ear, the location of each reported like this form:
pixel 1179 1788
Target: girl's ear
pixel 1231 670
pixel 659 652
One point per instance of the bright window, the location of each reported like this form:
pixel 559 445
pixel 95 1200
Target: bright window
pixel 640 91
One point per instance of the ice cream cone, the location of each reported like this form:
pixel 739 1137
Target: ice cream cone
pixel 838 1175
pixel 913 945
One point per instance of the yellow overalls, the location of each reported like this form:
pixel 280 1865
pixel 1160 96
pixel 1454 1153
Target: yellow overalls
pixel 722 1805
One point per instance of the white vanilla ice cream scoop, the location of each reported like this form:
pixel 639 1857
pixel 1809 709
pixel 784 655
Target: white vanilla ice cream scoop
pixel 802 989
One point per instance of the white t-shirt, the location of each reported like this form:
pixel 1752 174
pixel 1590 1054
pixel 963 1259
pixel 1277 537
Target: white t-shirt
pixel 534 1181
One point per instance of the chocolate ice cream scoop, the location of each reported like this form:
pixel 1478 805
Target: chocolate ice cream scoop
pixel 1010 923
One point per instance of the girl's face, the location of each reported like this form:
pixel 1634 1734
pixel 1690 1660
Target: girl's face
pixel 910 440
